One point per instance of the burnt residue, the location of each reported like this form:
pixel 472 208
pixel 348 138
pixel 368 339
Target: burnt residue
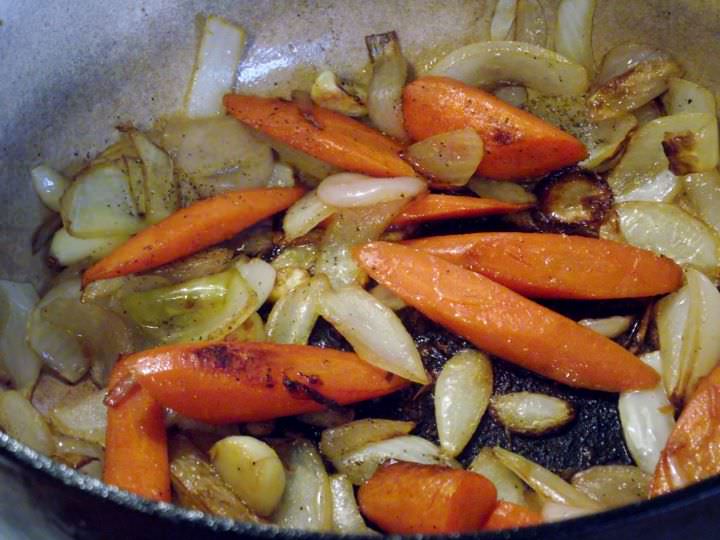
pixel 302 390
pixel 218 357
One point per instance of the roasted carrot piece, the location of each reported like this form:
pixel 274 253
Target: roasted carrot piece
pixel 328 136
pixel 136 453
pixel 406 498
pixel 558 266
pixel 517 144
pixel 507 515
pixel 439 207
pixel 226 381
pixel 191 229
pixel 502 322
pixel 691 453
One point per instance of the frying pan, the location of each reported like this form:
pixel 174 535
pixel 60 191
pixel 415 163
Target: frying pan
pixel 71 71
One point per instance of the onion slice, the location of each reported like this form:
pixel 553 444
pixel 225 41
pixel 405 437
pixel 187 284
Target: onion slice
pixel 84 419
pixel 67 249
pixel 610 327
pixel 509 486
pixel 17 359
pixel 304 215
pixel 449 158
pixel 554 511
pixel 346 514
pixel 161 190
pixel 20 420
pixel 573 31
pixel 389 73
pixel 510 192
pixel 293 316
pixel 351 190
pixel 329 92
pixel 685 96
pixel 530 23
pixel 503 19
pixel 607 138
pixel 613 485
pixel 702 191
pixel 531 413
pixel 49 185
pixel 339 441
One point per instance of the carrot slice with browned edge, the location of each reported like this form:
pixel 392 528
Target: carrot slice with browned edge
pixel 507 515
pixel 502 322
pixel 691 453
pixel 517 143
pixel 222 382
pixel 136 452
pixel 406 498
pixel 329 136
pixel 558 266
pixel 191 229
pixel 439 207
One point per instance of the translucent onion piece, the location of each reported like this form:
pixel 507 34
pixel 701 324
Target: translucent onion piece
pixel 389 73
pixel 346 514
pixel 503 19
pixel 376 334
pixel 296 257
pixel 573 31
pixel 647 420
pixel 210 261
pixel 17 359
pixel 282 176
pixel 647 113
pixel 514 95
pixel 531 413
pixel 20 420
pixel 553 511
pixel 311 169
pixel 488 63
pixel 49 186
pixel 261 278
pixel 387 297
pixel 608 137
pixel 253 329
pixel 547 483
pixel 85 419
pixel 530 23
pixel 304 215
pixel 667 230
pixel 332 94
pixel 94 469
pixel 613 485
pixel 221 47
pixel 350 190
pixel 161 190
pixel 307 501
pixel 293 316
pixel 610 327
pixel 342 440
pixel 702 191
pixel 136 181
pixel 329 418
pixel 70 446
pixel 288 279
pixel 687 97
pixel 509 486
pixel 623 58
pixel 462 393
pixel 449 158
pixel 68 250
pixel 502 191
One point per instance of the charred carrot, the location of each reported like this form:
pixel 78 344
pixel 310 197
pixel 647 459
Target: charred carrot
pixel 691 452
pixel 439 207
pixel 326 135
pixel 502 322
pixel 507 515
pixel 225 381
pixel 517 144
pixel 191 229
pixel 406 498
pixel 558 266
pixel 136 454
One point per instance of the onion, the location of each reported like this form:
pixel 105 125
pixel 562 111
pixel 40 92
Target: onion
pixel 304 215
pixel 514 95
pixel 385 296
pixel 261 278
pixel 69 447
pixel 573 31
pixel 49 186
pixel 310 168
pixel 68 250
pixel 448 158
pixel 509 486
pixel 296 257
pixel 687 97
pixel 20 420
pixel 346 515
pixel 307 501
pixel 17 359
pixel 610 327
pixel 389 73
pixel 218 55
pixel 667 230
pixel 161 190
pixel 328 418
pixel 51 392
pixel 554 511
pixel 350 190
pixel 613 485
pixel 702 191
pixel 282 176
pixel 510 192
pixel 530 23
pixel 607 138
pixel 94 469
pixel 136 181
pixel 647 420
pixel 376 334
pixel 337 442
pixel 338 96
pixel 531 413
pixel 288 279
pixel 503 19
pixel 543 481
pixel 253 329
pixel 647 113
pixel 210 261
pixel 85 419
pixel 462 393
pixel 293 316
pixel 488 63
pixel 44 232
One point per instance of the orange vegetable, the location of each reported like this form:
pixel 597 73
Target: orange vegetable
pixel 406 498
pixel 329 136
pixel 502 322
pixel 439 207
pixel 691 453
pixel 191 229
pixel 136 453
pixel 507 515
pixel 517 144
pixel 558 266
pixel 226 381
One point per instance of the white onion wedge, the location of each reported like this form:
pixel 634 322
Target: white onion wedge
pixel 501 26
pixel 304 215
pixel 346 514
pixel 489 63
pixel 573 32
pixel 337 96
pixel 282 175
pixel 685 96
pixel 702 191
pixel 293 316
pixel 449 158
pixel 67 249
pixel 389 73
pixel 610 327
pixel 218 55
pixel 345 439
pixel 20 420
pixel 253 329
pixel 387 297
pixel 260 276
pixel 17 359
pixel 462 393
pixel 531 413
pixel 613 485
pixel 502 191
pixel 376 334
pixel 514 95
pixel 351 190
pixel 509 486
pixel 287 280
pixel 161 190
pixel 84 419
pixel 49 186
pixel 530 23
pixel 296 257
pixel 608 136
pixel 553 511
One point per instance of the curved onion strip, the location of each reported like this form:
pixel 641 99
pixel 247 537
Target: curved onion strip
pixel 85 419
pixel 49 186
pixel 304 215
pixel 702 191
pixel 503 19
pixel 351 190
pixel 293 316
pixel 462 393
pixel 342 440
pixel 282 176
pixel 346 514
pixel 20 420
pixel 70 446
pixel 288 279
pixel 510 192
pixel 610 327
pixel 210 261
pixel 389 73
pixel 553 511
pixel 253 329
pixel 514 95
pixel 573 31
pixel 530 23
pixel 489 63
pixel 687 97
pixel 509 486
pixel 387 297
pixel 608 136
pixel 347 99
pixel 531 413
pixel 260 276
pixel 296 257
pixel 449 158
pixel 647 113
pixel 624 58
pixel 68 250
pixel 613 485
pixel 17 301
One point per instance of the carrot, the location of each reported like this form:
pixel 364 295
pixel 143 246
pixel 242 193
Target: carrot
pixel 691 452
pixel 222 382
pixel 326 135
pixel 558 266
pixel 191 229
pixel 136 454
pixel 406 498
pixel 517 144
pixel 502 322
pixel 439 207
pixel 507 515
